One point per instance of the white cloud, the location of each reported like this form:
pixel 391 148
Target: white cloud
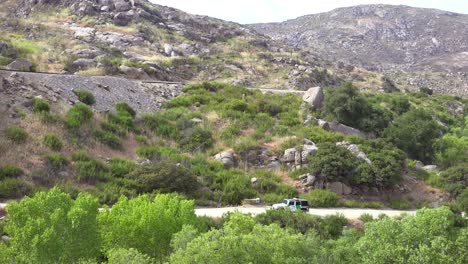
pixel 256 11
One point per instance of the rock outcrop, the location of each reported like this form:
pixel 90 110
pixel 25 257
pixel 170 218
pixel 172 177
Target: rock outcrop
pixel 354 149
pixel 314 97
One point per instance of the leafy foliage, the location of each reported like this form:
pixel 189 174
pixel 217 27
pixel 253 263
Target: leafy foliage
pixel 16 134
pixel 78 115
pixel 40 105
pixel 51 227
pixel 52 141
pixel 85 96
pixel 145 224
pixel 415 132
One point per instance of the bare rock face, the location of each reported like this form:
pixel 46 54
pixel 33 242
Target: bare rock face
pixel 354 149
pixel 314 97
pixel 227 158
pixel 122 5
pixel 339 188
pixel 20 65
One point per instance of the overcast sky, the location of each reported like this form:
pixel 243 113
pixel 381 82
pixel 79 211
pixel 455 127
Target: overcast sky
pixel 257 11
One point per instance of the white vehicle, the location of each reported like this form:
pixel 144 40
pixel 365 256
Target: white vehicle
pixel 293 204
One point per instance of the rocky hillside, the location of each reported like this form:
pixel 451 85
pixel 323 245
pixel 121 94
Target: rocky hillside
pixel 140 40
pixel 430 44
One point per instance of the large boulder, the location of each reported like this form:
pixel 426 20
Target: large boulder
pixel 354 149
pixel 122 5
pixel 133 73
pixel 20 65
pixel 314 97
pixel 84 8
pixel 122 19
pixel 340 128
pixel 289 155
pixel 430 168
pixel 82 64
pixel 339 188
pixel 307 151
pixel 227 158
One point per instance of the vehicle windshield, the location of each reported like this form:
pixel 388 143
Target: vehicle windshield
pixel 285 201
pixel 304 203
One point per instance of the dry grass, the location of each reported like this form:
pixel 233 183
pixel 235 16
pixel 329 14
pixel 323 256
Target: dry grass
pixel 93 72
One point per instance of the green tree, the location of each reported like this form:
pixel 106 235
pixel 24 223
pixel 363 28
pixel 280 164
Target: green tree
pixel 145 224
pixel 415 132
pixel 127 256
pixel 333 163
pixel 51 227
pixel 243 241
pixel 428 237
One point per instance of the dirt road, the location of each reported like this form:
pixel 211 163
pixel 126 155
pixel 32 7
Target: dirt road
pixel 350 213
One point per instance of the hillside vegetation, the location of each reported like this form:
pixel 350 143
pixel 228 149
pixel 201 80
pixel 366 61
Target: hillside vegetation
pixel 125 153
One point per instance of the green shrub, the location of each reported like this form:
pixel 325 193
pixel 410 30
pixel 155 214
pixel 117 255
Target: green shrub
pixel 334 163
pixel 85 96
pixel 197 139
pixel 322 198
pixel 399 204
pixel 52 141
pixel 164 177
pixel 121 167
pixel 16 134
pixel 91 171
pixel 366 218
pixel 107 138
pixel 415 132
pixel 78 115
pixel 125 108
pixel 125 256
pixel 13 188
pixel 161 126
pixel 10 171
pixel 40 105
pixel 148 152
pixel 80 155
pixel 56 160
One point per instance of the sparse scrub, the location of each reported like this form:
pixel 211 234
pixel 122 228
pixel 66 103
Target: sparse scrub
pixel 11 188
pixel 85 96
pixel 91 171
pixel 52 141
pixel 16 134
pixel 78 115
pixel 40 105
pixel 56 160
pixel 10 171
pixel 107 138
pixel 322 198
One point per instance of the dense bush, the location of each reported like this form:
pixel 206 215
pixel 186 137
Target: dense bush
pixel 85 96
pixel 53 228
pixel 121 167
pixel 91 171
pixel 56 160
pixel 455 179
pixel 125 108
pixel 10 171
pixel 107 138
pixel 78 115
pixel 164 177
pixel 452 149
pixel 145 224
pixel 126 256
pixel 196 139
pixel 322 198
pixel 415 132
pixel 346 105
pixel 16 134
pixel 40 105
pixel 52 141
pixel 327 227
pixel 333 163
pixel 11 188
